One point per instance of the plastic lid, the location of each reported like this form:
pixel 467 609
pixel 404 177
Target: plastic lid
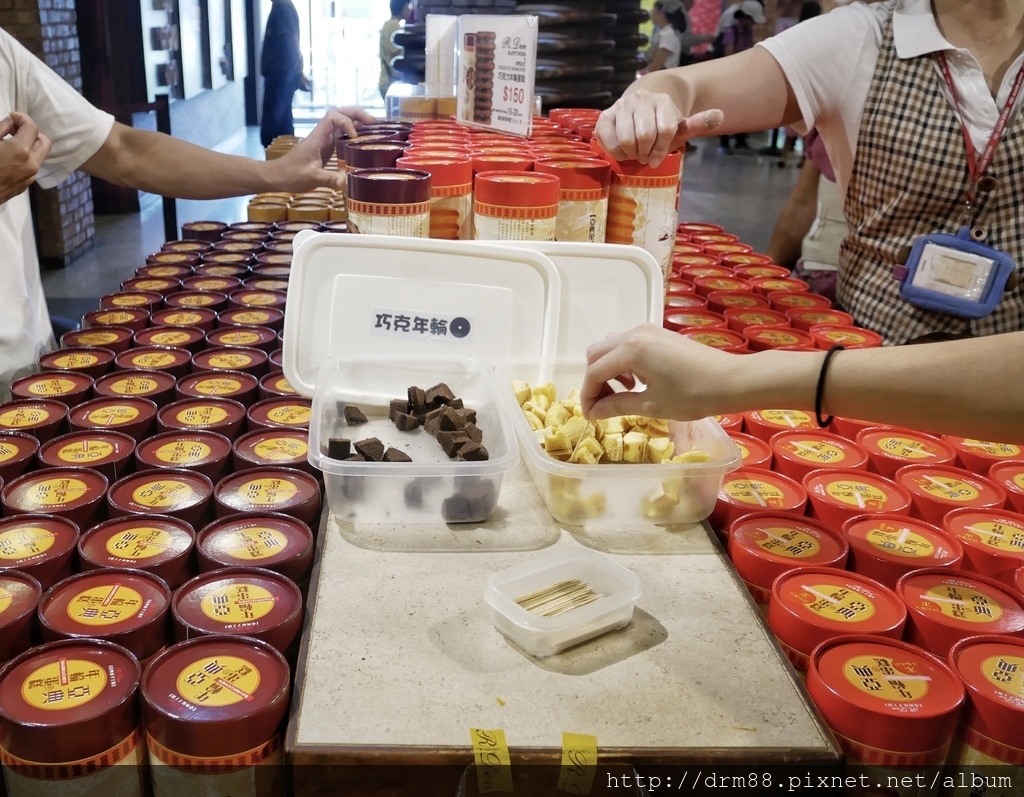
pixel 752 488
pixel 192 414
pixel 58 491
pixel 891 447
pixel 292 412
pixel 763 547
pixel 199 450
pixel 722 300
pixel 812 604
pixel 807 449
pixel 576 174
pixel 980 455
pixel 129 413
pixel 153 358
pixel 694 319
pixel 215 696
pixel 133 319
pixel 742 317
pixel 516 189
pixel 885 546
pixel 29 540
pixel 251 316
pixel 719 339
pixel 197 300
pixel 850 337
pixel 993 540
pixel 389 186
pixel 885 694
pixel 754 453
pixel 16 452
pixel 764 423
pixel 145 542
pixel 67 701
pixel 184 317
pixel 160 492
pixel 1010 476
pixel 967 603
pixel 936 489
pixel 710 284
pixel 258 539
pixel 72 386
pixel 667 168
pixel 113 338
pixel 769 285
pixel 209 282
pixel 19 596
pixel 249 297
pixel 221 384
pixel 87 449
pixel 992 670
pixel 122 299
pixel 276 489
pixel 30 415
pixel 857 491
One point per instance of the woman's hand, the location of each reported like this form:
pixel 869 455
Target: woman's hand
pixel 303 169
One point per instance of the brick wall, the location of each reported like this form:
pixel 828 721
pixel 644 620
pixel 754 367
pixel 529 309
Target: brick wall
pixel 64 215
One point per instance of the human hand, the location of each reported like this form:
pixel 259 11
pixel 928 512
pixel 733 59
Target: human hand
pixel 302 169
pixel 21 155
pixel 645 126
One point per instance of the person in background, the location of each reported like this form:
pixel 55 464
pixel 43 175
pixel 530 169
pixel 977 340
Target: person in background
pixel 48 130
pixel 735 37
pixel 401 12
pixel 281 67
pixel 673 36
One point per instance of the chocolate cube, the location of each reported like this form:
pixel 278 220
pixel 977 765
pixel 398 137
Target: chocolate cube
pixel 417 400
pixel 353 415
pixel 396 455
pixel 455 509
pixel 473 432
pixel 438 395
pixel 473 452
pixel 398 406
pixel 339 448
pixel 452 442
pixel 405 422
pixel 371 448
pixel 452 420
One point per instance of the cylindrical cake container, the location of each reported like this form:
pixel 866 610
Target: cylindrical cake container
pixel 209 231
pixel 41 418
pixel 190 338
pixel 838 495
pixel 134 300
pixel 805 318
pixel 223 416
pixel 764 546
pixel 389 202
pixel 170 359
pixel 275 385
pixel 945 606
pixel 993 541
pixel 978 456
pixel 750 490
pixel 231 358
pixel 68 387
pixel 198 300
pixel 769 285
pixel 886 547
pixel 515 206
pixel 116 339
pixel 755 453
pixel 199 317
pixel 938 489
pixel 235 385
pixel 800 451
pixel 270 540
pixel 287 490
pixel 17 453
pixel 157 386
pixel 190 246
pixel 129 415
pixel 692 320
pixel 246 297
pixel 765 338
pixel 784 300
pixel 810 605
pixel 765 424
pixel 211 282
pixel 262 338
pixel 69 721
pixel 739 318
pixel 92 361
pixel 204 452
pixel 451 193
pixel 147 284
pixel 849 337
pixel 168 265
pixel 157 544
pixel 41 546
pixel 272 448
pixel 584 186
pixel 131 319
pixel 287 412
pixel 1010 476
pixel 252 317
pixel 128 607
pixel 19 597
pixel 889 448
pixel 110 453
pixel 179 493
pixel 723 339
pixel 75 494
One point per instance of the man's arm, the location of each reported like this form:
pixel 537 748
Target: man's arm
pixel 796 218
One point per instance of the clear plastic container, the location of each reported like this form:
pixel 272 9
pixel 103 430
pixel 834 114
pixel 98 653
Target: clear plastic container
pixel 430 489
pixel 627 494
pixel 618 588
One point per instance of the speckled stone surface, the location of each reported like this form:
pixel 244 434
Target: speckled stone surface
pixel 401 651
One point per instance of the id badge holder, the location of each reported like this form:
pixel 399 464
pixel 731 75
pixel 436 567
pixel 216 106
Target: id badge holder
pixel 954 274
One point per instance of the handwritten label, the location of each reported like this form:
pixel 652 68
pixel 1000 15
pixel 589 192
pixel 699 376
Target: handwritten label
pixel 493 764
pixel 579 763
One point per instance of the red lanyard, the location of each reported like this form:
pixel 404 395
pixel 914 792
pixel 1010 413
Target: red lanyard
pixel 979 167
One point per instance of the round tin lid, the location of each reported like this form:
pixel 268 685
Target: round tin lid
pixel 70 385
pixel 711 284
pixel 201 413
pixel 286 412
pixel 143 541
pixel 276 383
pixel 694 272
pixel 19 596
pixel 762 422
pixel 27 540
pixel 211 300
pixel 186 246
pixel 243 247
pixel 168 336
pixel 112 413
pixel 273 264
pixel 16 450
pixel 112 338
pixel 133 319
pixel 268 489
pixel 209 282
pixel 248 601
pixel 54 490
pixel 246 317
pixel 160 492
pixel 84 358
pixel 151 284
pixel 142 384
pixel 1010 476
pixel 451 170
pixel 897 447
pixel 762 547
pixel 215 696
pixel 147 300
pixel 938 489
pixel 808 449
pixel 856 490
pixel 170 265
pixel 241 337
pixel 901 540
pixel 105 604
pixel 510 188
pixel 257 539
pixel 249 297
pixel 730 422
pixel 229 358
pixel 220 384
pixel 30 414
pixel 390 186
pixel 183 450
pixel 980 455
pixel 993 540
pixel 197 230
pixel 86 449
pixel 752 488
pixel 967 602
pixel 992 670
pixel 226 264
pixel 754 453
pixel 153 358
pixel 775 337
pixel 885 694
pixel 850 337
pixel 184 317
pixel 273 447
pixel 68 700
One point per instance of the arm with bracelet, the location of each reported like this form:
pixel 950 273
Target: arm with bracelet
pixel 973 388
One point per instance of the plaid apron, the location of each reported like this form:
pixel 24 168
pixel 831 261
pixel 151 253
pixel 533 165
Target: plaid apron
pixel 909 178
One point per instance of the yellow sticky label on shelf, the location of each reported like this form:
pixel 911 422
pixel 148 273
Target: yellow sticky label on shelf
pixel 493 764
pixel 579 763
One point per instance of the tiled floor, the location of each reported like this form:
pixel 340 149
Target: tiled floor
pixel 743 192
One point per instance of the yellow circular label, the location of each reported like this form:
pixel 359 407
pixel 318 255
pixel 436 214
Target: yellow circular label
pixel 8 450
pixel 1001 450
pixel 1005 673
pixel 6 599
pixel 292 414
pixel 230 361
pixel 1000 536
pixel 51 387
pixel 858 494
pixel 714 339
pixel 85 451
pixel 905 448
pixel 778 337
pixel 283 386
pixel 239 338
pixel 25 542
pixel 961 603
pixel 789 542
pixel 213 284
pixel 183 453
pixel 218 681
pixel 157 359
pixel 170 338
pixel 97 338
pixel 201 416
pixel 837 603
pixel 794 419
pixel 134 386
pixel 947 487
pixel 64 684
pixel 820 452
pixel 165 271
pixel 238 603
pixel 54 492
pixel 129 300
pixel 843 336
pixel 281 448
pixel 755 317
pixel 142 542
pixel 268 492
pixel 754 491
pixel 151 285
pixel 70 361
pixel 252 317
pixel 113 415
pixel 163 494
pixel 883 678
pixel 900 542
pixel 217 387
pixel 182 319
pixel 256 543
pixel 14 419
pixel 259 299
pixel 197 300
pixel 115 318
pixel 109 604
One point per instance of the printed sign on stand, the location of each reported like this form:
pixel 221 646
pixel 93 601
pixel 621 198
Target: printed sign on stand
pixel 497 66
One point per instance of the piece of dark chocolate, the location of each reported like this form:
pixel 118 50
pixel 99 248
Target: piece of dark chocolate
pixel 455 509
pixel 439 395
pixel 339 448
pixel 451 442
pixel 371 448
pixel 468 415
pixel 451 420
pixel 473 453
pixel 353 415
pixel 398 406
pixel 482 498
pixel 473 432
pixel 456 404
pixel 396 455
pixel 413 495
pixel 417 400
pixel 405 422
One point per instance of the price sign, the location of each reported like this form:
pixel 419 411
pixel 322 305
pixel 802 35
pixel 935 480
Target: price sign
pixel 497 65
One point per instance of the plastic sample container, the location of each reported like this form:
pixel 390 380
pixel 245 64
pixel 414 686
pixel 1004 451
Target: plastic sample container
pixel 19 597
pixel 69 387
pixel 224 416
pixel 936 490
pixel 993 541
pixel 156 544
pixel 946 606
pixel 838 495
pixel 292 492
pixel 208 453
pixel 123 606
pixel 814 604
pixel 764 546
pixel 73 493
pixel 1008 475
pixel 17 453
pixel 764 424
pixel 41 418
pixel 110 453
pixel 750 490
pixel 542 636
pixel 885 547
pixel 798 452
pixel 269 540
pixel 889 704
pixel 129 415
pixel 179 493
pixel 889 448
pixel 41 546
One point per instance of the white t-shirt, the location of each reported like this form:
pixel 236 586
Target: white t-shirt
pixel 667 38
pixel 829 62
pixel 77 131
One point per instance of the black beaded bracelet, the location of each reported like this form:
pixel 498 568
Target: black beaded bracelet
pixel 819 393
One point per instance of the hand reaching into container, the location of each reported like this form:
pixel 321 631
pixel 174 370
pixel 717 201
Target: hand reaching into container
pixel 302 169
pixel 22 152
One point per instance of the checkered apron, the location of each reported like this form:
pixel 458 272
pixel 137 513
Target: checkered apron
pixel 909 179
